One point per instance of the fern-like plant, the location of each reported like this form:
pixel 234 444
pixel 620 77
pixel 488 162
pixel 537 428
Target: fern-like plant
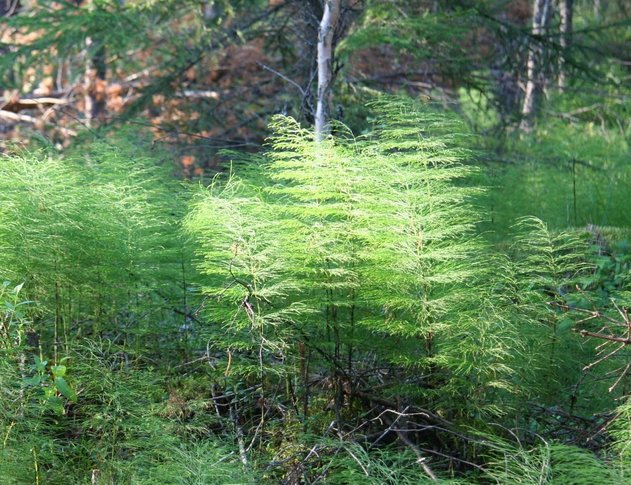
pixel 337 256
pixel 95 239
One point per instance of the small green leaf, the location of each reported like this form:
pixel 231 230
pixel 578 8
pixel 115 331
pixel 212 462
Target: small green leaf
pixel 56 404
pixel 58 370
pixel 65 390
pixel 40 365
pixel 33 381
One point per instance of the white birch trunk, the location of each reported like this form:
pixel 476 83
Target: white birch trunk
pixel 565 11
pixel 540 19
pixel 325 66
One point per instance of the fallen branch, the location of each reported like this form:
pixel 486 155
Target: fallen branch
pixel 402 435
pixel 192 93
pixel 612 338
pixel 15 104
pixel 9 115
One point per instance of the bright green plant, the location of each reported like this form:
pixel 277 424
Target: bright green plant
pixel 547 463
pixel 342 283
pixel 350 252
pixel 13 321
pixel 20 428
pixel 95 238
pixel 49 385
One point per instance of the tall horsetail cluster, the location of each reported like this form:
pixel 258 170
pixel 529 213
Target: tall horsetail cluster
pixel 322 311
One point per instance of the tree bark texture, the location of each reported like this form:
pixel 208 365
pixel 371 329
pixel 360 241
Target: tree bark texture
pixel 326 35
pixel 566 8
pixel 540 19
pixel 94 79
pixel 95 71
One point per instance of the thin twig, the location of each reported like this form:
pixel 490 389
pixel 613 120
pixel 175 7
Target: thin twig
pixel 421 460
pixel 613 352
pixel 283 77
pixel 624 373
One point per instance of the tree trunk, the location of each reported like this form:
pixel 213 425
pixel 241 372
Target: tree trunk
pixel 9 7
pixel 566 8
pixel 95 71
pixel 94 79
pixel 540 19
pixel 325 66
pixel 306 15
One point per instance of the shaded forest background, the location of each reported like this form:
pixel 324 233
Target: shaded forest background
pixel 431 285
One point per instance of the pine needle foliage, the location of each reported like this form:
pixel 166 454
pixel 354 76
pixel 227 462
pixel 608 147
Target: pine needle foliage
pixel 50 28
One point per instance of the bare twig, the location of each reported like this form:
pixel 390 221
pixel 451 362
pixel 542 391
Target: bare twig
pixel 608 338
pixel 421 460
pixel 624 373
pixel 623 340
pixel 283 77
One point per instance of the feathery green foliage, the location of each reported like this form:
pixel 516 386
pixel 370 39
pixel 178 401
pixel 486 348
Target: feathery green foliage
pixel 351 325
pixel 330 196
pixel 548 463
pixel 351 251
pixel 94 238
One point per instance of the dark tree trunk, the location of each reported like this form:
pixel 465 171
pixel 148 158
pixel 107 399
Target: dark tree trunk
pixel 9 7
pixel 94 79
pixel 95 73
pixel 306 15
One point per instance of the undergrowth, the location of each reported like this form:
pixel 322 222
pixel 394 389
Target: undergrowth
pixel 321 312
